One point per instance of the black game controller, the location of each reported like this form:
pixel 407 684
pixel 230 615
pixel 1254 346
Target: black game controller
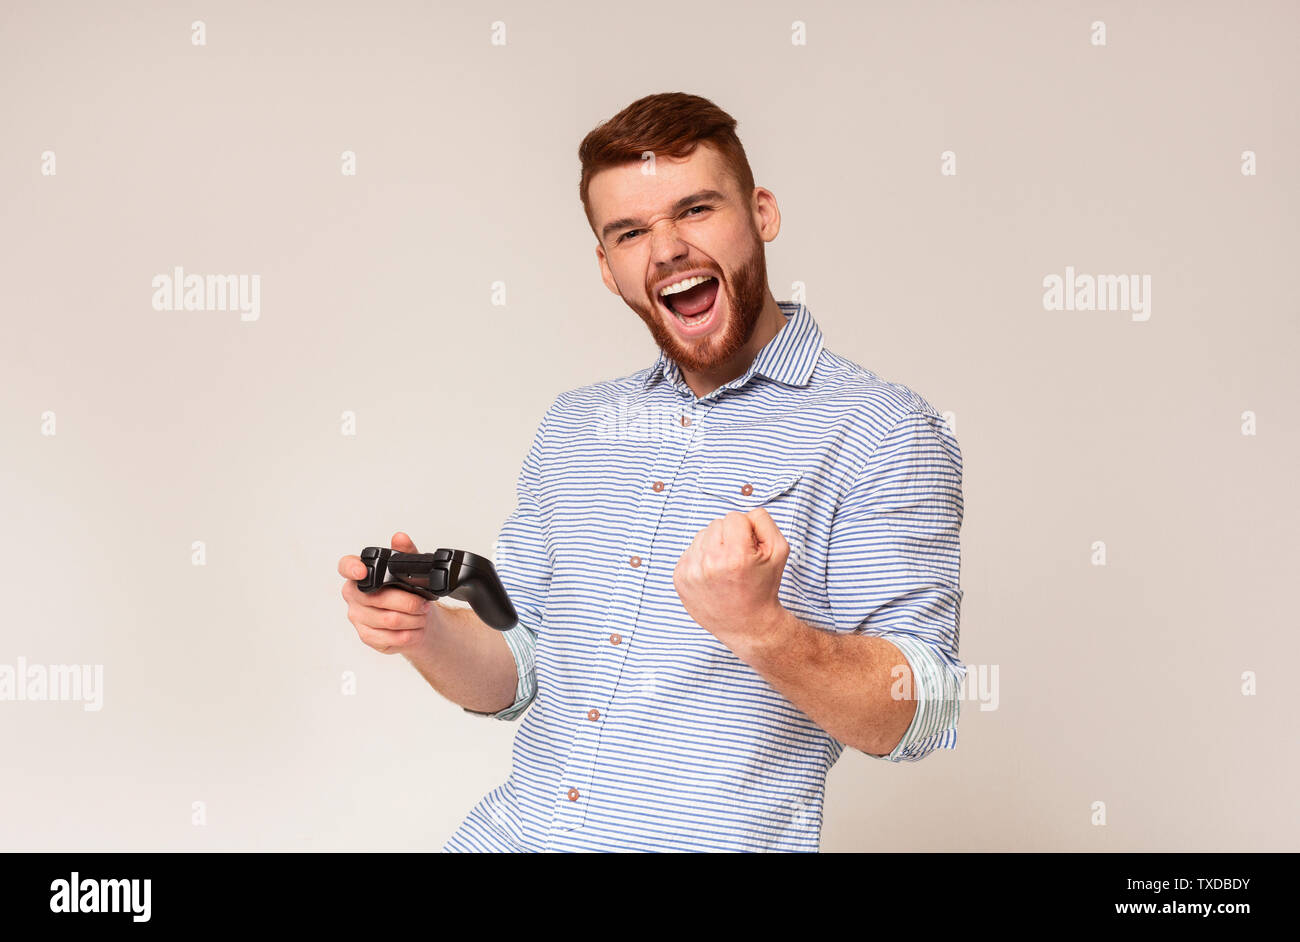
pixel 462 575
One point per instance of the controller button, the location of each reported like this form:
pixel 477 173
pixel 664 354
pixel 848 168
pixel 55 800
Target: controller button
pixel 635 561
pixel 747 489
pixel 573 794
pixel 593 714
pixel 657 486
pixel 615 639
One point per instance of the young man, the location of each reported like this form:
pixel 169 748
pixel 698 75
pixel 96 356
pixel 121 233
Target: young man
pixel 727 566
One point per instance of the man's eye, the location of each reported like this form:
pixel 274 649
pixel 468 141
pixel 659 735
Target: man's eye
pixel 632 232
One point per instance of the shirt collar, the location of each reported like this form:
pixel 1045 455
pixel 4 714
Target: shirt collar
pixel 789 357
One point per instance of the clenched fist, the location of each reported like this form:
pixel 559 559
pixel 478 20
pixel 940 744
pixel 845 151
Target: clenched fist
pixel 729 577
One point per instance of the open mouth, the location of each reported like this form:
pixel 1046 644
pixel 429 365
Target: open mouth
pixel 694 305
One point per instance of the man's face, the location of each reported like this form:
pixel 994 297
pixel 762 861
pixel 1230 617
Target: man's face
pixel 687 218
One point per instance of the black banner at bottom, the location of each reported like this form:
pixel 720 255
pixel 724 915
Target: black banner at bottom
pixel 895 893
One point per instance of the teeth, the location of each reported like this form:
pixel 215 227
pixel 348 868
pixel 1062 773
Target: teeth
pixel 685 285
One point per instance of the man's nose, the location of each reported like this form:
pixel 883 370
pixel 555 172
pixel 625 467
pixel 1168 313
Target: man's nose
pixel 666 246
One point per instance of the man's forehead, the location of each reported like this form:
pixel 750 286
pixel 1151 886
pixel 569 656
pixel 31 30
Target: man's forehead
pixel 632 188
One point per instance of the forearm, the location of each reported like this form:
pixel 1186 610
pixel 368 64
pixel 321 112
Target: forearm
pixel 466 661
pixel 844 683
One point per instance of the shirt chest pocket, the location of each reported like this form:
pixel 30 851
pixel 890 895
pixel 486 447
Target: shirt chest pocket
pixel 726 486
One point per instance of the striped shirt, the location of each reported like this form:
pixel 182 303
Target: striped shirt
pixel 645 732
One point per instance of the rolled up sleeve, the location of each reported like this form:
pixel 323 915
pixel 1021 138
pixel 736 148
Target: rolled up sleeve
pixel 522 562
pixel 894 569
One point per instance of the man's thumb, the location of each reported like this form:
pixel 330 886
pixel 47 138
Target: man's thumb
pixel 403 544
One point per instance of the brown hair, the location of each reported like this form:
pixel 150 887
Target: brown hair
pixel 670 124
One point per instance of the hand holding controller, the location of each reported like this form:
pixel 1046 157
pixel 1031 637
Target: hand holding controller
pixel 458 573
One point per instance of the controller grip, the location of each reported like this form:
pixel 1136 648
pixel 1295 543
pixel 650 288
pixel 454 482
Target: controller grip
pixel 481 587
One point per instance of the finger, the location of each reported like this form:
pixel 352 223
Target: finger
pixel 398 600
pixel 711 535
pixel 403 543
pixel 387 600
pixel 378 619
pixel 351 567
pixel 737 530
pixel 767 534
pixel 385 640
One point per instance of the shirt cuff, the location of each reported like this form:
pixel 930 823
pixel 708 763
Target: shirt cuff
pixel 937 689
pixel 523 646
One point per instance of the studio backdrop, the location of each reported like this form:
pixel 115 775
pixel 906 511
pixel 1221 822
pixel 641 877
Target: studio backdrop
pixel 1069 226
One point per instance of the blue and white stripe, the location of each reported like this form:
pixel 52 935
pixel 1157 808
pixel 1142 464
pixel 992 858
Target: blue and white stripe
pixel 641 731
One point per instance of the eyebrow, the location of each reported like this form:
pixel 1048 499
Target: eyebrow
pixel 629 223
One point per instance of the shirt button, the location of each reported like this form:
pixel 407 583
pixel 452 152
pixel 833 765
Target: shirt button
pixel 573 794
pixel 593 714
pixel 635 561
pixel 615 639
pixel 657 486
pixel 747 489
pixel 686 420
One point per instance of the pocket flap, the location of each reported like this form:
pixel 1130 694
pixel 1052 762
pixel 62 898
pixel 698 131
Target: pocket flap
pixel 747 486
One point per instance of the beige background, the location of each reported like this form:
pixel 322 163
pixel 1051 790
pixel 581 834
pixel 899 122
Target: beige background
pixel 1119 683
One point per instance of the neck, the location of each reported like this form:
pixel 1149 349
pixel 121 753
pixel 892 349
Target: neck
pixel 770 320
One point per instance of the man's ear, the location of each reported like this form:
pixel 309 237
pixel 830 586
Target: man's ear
pixel 767 215
pixel 606 275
